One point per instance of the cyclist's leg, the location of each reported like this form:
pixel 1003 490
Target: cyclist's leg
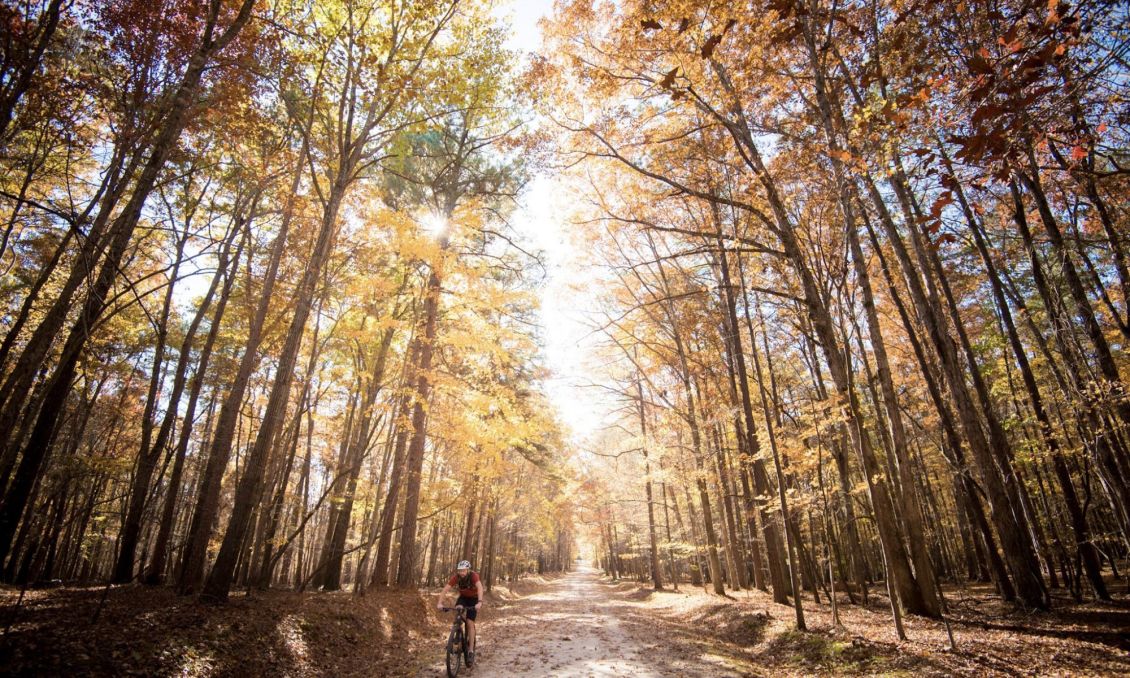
pixel 471 613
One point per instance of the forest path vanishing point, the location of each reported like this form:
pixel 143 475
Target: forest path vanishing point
pixel 580 627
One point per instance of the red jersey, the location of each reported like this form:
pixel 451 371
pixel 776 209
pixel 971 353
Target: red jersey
pixel 468 587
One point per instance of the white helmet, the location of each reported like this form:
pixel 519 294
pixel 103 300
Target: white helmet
pixel 463 565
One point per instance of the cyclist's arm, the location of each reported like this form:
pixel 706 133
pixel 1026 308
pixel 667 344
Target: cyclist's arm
pixel 479 586
pixel 443 596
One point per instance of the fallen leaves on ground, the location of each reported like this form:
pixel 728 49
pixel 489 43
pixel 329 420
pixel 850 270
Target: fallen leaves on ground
pixel 151 631
pixel 578 625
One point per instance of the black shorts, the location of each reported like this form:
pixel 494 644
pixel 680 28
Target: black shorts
pixel 470 604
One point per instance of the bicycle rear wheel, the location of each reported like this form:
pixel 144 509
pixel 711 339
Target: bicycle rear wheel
pixel 454 657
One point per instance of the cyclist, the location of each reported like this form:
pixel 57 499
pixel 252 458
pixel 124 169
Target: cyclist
pixel 470 589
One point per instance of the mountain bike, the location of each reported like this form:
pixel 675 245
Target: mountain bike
pixel 456 641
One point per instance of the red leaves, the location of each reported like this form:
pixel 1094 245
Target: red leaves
pixel 1010 41
pixel 986 112
pixel 978 65
pixel 1078 153
pixel 933 221
pixel 1050 51
pixel 1013 46
pixel 1009 86
pixel 940 204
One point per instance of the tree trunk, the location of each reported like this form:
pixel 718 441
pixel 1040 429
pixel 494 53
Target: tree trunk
pixel 653 546
pixel 149 454
pixel 156 570
pixel 247 491
pixel 406 569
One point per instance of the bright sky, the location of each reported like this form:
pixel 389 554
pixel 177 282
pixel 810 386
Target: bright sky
pixel 564 302
pixel 523 16
pixel 564 307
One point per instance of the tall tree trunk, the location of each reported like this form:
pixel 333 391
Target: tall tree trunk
pixel 219 453
pixel 247 491
pixel 1086 548
pixel 1112 466
pixel 791 541
pixel 774 545
pixel 156 569
pixel 380 576
pixel 911 510
pixel 16 391
pixel 406 569
pixel 469 522
pixel 653 546
pixel 492 537
pixel 691 416
pixel 988 452
pixel 149 454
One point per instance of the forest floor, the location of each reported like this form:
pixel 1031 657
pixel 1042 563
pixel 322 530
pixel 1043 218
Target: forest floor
pixel 142 631
pixel 577 625
pixel 586 626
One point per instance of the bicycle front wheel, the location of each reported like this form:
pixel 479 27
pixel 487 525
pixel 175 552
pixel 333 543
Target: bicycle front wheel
pixel 454 654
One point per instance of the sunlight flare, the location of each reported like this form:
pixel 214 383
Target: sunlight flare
pixel 435 225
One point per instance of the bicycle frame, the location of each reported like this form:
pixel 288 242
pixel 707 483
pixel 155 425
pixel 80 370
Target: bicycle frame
pixel 458 635
pixel 460 617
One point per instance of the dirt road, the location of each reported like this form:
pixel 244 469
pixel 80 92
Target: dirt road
pixel 577 626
